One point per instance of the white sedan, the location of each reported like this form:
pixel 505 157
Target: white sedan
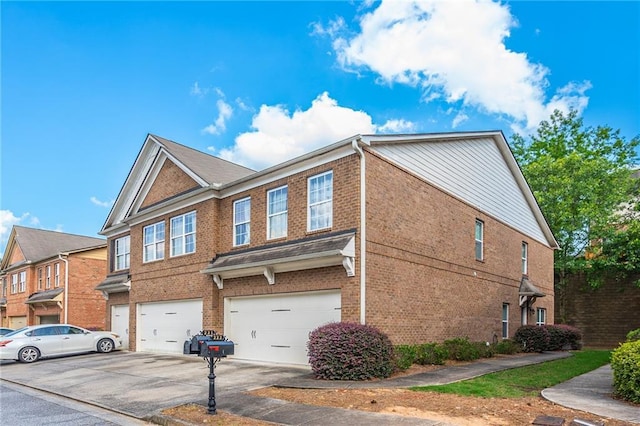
pixel 29 344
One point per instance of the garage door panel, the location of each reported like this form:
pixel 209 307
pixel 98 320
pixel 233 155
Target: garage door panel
pixel 164 326
pixel 120 323
pixel 276 328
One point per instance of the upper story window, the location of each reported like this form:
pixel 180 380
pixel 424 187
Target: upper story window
pixel 39 278
pixel 122 253
pixel 4 286
pixel 541 316
pixel 277 213
pixel 56 275
pixel 242 221
pixel 23 282
pixel 320 201
pixel 479 239
pixel 14 283
pixel 525 254
pixel 505 320
pixel 183 234
pixel 153 236
pixel 48 278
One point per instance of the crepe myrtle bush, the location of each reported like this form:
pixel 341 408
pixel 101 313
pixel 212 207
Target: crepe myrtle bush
pixel 563 336
pixel 350 351
pixel 633 335
pixel 533 338
pixel 625 363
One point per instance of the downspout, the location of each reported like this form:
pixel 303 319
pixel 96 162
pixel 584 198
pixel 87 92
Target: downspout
pixel 363 233
pixel 66 287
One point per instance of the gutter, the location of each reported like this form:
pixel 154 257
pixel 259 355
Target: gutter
pixel 363 232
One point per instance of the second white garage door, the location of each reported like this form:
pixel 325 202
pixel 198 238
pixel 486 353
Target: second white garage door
pixel 120 323
pixel 164 326
pixel 276 328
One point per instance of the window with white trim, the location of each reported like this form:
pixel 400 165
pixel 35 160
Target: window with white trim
pixel 525 254
pixel 153 242
pixel 183 234
pixel 505 320
pixel 48 277
pixel 39 278
pixel 541 316
pixel 56 275
pixel 242 221
pixel 320 201
pixel 479 239
pixel 4 286
pixel 14 283
pixel 122 253
pixel 277 213
pixel 23 282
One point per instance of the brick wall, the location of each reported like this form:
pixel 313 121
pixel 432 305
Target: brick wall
pixel 87 307
pixel 174 181
pixel 423 282
pixel 606 314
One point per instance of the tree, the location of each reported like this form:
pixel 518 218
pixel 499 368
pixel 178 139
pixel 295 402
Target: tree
pixel 581 178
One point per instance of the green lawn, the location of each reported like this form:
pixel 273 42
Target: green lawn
pixel 526 381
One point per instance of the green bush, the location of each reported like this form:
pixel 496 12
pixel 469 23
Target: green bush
pixel 633 335
pixel 461 349
pixel 625 363
pixel 405 356
pixel 485 350
pixel 507 347
pixel 350 351
pixel 533 338
pixel 431 354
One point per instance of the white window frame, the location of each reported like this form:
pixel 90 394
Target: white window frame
pixel 48 277
pixel 153 249
pixel 4 286
pixel 14 283
pixel 22 282
pixel 479 240
pixel 242 225
pixel 56 275
pixel 505 320
pixel 39 278
pixel 183 237
pixel 541 316
pixel 525 258
pixel 277 217
pixel 122 253
pixel 323 203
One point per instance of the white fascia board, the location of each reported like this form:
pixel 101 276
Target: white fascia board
pixel 165 208
pixel 404 138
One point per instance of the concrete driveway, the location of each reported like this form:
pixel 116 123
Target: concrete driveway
pixel 142 384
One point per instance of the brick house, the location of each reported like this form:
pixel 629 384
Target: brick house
pixel 50 277
pixel 426 237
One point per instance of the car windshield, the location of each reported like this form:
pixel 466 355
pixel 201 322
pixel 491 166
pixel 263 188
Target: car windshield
pixel 15 332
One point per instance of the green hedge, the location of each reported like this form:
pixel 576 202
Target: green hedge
pixel 625 363
pixel 633 335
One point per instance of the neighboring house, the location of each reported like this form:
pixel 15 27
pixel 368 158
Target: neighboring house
pixel 50 277
pixel 426 237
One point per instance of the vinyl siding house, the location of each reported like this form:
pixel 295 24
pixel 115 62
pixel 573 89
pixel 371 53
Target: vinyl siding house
pixel 425 236
pixel 50 277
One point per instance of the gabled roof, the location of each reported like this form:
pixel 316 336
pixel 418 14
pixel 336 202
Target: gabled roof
pixel 206 170
pixel 40 244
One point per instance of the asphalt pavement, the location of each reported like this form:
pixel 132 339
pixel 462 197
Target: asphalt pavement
pixel 141 385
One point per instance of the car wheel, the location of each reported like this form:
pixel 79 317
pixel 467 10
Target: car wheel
pixel 28 354
pixel 105 345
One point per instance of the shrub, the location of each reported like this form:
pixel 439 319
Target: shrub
pixel 350 351
pixel 485 350
pixel 405 356
pixel 572 336
pixel 507 347
pixel 625 363
pixel 431 354
pixel 532 338
pixel 633 335
pixel 461 349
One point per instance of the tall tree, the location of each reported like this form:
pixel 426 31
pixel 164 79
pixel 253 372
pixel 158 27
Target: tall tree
pixel 581 177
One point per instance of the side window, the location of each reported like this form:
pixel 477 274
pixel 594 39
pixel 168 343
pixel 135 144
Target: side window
pixel 153 236
pixel 242 221
pixel 479 239
pixel 525 255
pixel 320 201
pixel 45 331
pixel 505 320
pixel 183 234
pixel 48 278
pixel 277 214
pixel 14 283
pixel 541 316
pixel 39 278
pixel 122 253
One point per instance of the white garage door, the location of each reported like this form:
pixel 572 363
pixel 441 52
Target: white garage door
pixel 164 326
pixel 276 328
pixel 120 323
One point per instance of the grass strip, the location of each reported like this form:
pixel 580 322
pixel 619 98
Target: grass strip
pixel 525 381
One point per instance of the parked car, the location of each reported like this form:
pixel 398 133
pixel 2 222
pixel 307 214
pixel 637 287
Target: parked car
pixel 5 330
pixel 29 344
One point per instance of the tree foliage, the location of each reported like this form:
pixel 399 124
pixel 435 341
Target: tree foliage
pixel 581 177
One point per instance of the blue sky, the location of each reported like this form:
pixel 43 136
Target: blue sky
pixel 82 83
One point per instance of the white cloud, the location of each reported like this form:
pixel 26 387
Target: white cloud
pixel 455 50
pixel 97 202
pixel 225 111
pixel 397 126
pixel 7 220
pixel 280 135
pixel 460 118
